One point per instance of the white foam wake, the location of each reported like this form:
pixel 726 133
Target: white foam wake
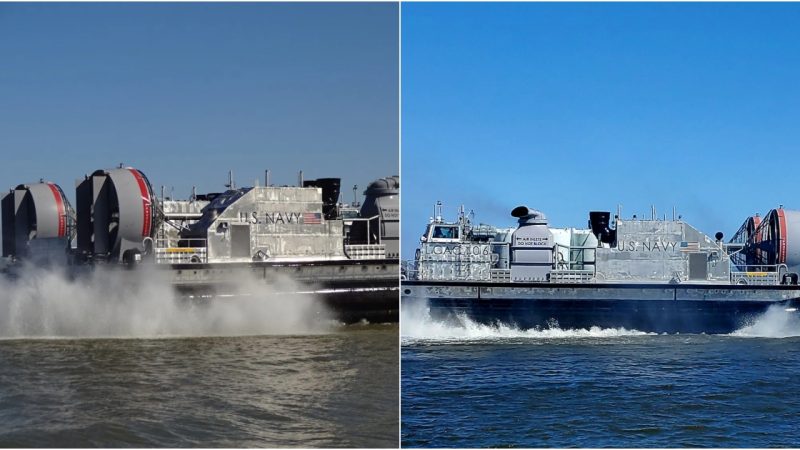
pixel 142 303
pixel 417 325
pixel 777 322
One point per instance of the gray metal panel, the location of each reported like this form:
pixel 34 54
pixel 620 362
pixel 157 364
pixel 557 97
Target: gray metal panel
pixel 389 206
pixel 240 240
pixel 23 218
pixel 455 261
pixel 792 239
pixel 9 244
pixel 646 250
pixel 573 293
pixel 101 225
pixel 83 215
pixel 531 247
pixel 284 223
pixel 537 256
pixel 382 199
pixel 698 266
pixel 132 205
pixel 47 212
pixel 384 272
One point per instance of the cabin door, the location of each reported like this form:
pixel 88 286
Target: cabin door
pixel 240 241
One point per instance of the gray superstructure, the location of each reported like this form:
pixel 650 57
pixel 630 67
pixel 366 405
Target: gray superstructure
pixel 207 243
pixel 266 223
pixel 640 251
pixel 661 266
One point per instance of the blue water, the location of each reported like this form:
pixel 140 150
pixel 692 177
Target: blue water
pixel 469 385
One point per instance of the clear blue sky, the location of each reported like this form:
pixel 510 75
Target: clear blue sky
pixel 187 91
pixel 575 107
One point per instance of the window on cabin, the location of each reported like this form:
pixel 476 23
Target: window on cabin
pixel 444 232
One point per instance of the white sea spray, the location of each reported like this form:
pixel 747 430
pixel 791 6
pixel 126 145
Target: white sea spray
pixel 777 321
pixel 141 303
pixel 417 325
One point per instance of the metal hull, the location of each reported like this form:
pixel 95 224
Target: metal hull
pixel 645 307
pixel 371 305
pixel 353 290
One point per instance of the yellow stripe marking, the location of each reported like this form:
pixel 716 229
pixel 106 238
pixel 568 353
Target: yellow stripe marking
pixel 180 250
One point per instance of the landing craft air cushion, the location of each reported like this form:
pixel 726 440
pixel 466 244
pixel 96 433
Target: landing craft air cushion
pixel 349 256
pixel 644 274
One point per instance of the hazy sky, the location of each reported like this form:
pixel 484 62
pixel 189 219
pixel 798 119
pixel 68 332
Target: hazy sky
pixel 569 108
pixel 185 92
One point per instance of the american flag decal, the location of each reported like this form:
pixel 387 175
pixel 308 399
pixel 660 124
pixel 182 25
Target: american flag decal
pixel 690 246
pixel 312 218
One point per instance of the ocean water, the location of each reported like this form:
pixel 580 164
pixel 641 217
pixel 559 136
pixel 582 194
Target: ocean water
pixel 470 385
pixel 333 389
pixel 117 359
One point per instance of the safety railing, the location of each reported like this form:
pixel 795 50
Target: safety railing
pixel 448 270
pixel 500 275
pixel 181 251
pixel 758 274
pixel 365 251
pixel 572 276
pixel 579 255
pixel 367 220
pixel 428 270
pixel 408 270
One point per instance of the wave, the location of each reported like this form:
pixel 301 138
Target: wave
pixel 110 303
pixel 417 326
pixel 776 322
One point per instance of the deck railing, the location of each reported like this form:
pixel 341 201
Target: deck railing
pixel 758 274
pixel 365 251
pixel 181 251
